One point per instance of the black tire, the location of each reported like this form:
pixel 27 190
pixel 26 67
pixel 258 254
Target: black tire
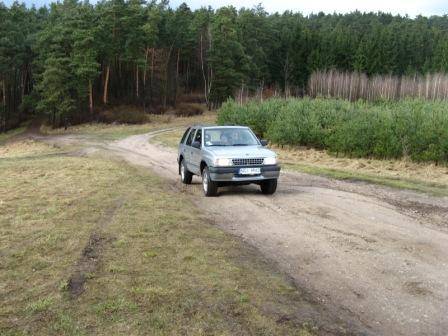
pixel 210 187
pixel 185 176
pixel 268 187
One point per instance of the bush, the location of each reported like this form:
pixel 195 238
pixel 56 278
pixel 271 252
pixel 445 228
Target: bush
pixel 258 116
pixel 189 110
pixel 124 115
pixel 409 128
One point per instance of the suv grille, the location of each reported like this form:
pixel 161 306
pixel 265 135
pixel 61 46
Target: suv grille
pixel 247 162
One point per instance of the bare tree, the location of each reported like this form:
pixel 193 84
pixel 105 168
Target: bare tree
pixel 354 85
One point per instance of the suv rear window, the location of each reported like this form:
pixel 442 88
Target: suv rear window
pixel 185 135
pixel 190 137
pixel 198 136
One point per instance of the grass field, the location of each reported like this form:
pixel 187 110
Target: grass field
pixel 10 134
pixel 91 246
pixel 119 131
pixel 423 177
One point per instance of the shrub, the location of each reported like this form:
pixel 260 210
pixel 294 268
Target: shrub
pixel 256 115
pixel 409 128
pixel 124 114
pixel 189 110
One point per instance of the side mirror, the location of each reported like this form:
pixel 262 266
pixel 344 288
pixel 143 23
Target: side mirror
pixel 264 143
pixel 196 144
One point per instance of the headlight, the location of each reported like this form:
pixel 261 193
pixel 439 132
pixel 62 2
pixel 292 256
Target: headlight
pixel 270 161
pixel 220 162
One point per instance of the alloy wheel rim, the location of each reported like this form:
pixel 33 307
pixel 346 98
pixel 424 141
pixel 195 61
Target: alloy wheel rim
pixel 182 171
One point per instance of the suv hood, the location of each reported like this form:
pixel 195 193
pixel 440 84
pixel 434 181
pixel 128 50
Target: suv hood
pixel 239 152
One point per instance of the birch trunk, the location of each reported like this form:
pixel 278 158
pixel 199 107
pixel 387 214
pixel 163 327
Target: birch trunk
pixel 177 77
pixel 136 81
pixel 203 74
pixel 106 85
pixel 90 97
pixel 3 115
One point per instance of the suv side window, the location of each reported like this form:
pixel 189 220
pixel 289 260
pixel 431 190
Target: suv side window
pixel 190 137
pixel 198 136
pixel 185 135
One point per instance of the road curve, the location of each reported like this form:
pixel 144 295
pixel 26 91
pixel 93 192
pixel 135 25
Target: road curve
pixel 372 256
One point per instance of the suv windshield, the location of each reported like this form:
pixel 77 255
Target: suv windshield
pixel 229 137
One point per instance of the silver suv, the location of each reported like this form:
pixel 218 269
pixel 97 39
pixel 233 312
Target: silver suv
pixel 226 155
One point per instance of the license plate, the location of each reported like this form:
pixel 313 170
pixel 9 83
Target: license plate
pixel 250 171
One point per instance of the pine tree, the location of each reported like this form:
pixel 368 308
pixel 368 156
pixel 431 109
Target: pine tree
pixel 84 57
pixel 227 57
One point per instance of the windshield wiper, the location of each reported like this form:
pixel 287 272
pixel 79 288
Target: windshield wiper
pixel 241 145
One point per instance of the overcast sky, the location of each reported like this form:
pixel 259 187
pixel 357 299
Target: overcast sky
pixel 410 7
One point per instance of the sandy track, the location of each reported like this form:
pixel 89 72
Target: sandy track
pixel 372 256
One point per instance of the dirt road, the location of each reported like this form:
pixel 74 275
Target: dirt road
pixel 372 255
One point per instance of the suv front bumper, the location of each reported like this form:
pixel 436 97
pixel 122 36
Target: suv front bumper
pixel 231 174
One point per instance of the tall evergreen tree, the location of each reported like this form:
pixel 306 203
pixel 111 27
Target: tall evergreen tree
pixel 85 55
pixel 227 57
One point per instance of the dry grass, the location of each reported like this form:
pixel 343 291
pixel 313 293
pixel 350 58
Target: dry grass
pixel 396 173
pixel 12 133
pixel 118 131
pixel 25 148
pixel 169 139
pixel 160 268
pixel 384 168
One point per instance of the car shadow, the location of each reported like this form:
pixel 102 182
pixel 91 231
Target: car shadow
pixel 251 189
pixel 239 190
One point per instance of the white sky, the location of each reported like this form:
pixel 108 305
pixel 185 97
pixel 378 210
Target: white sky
pixel 410 7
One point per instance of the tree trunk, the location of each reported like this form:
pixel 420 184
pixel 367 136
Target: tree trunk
pixel 187 79
pixel 146 66
pixel 151 81
pixel 14 95
pixel 23 84
pixel 90 97
pixel 286 75
pixel 3 94
pixel 165 75
pixel 145 70
pixel 106 85
pixel 177 77
pixel 204 76
pixel 136 81
pixel 210 67
pixel 53 122
pixel 3 115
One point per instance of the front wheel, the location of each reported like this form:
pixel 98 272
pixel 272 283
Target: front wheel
pixel 268 187
pixel 210 187
pixel 185 176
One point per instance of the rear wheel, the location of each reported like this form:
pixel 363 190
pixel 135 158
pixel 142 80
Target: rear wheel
pixel 185 176
pixel 210 187
pixel 268 187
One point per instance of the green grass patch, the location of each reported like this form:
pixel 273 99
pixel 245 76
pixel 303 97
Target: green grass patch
pixel 160 269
